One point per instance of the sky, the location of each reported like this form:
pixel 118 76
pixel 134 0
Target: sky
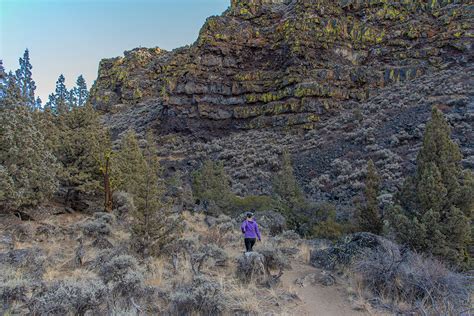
pixel 72 36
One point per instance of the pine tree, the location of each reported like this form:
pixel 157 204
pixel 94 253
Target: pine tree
pixel 82 92
pixel 61 96
pixel 25 80
pixel 72 98
pixel 38 103
pixel 369 214
pixel 435 206
pixel 27 167
pixel 51 104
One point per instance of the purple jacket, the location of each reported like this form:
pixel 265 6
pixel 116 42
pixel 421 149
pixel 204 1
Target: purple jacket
pixel 250 229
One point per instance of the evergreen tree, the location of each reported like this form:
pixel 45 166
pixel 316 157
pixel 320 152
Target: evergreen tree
pixel 82 93
pixel 292 202
pixel 369 214
pixel 12 93
pixel 61 96
pixel 211 184
pixel 435 206
pixel 3 80
pixel 154 224
pixel 72 98
pixel 51 104
pixel 38 103
pixel 83 143
pixel 130 164
pixel 285 185
pixel 25 80
pixel 27 167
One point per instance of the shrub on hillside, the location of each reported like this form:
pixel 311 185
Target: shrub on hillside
pixel 424 283
pixel 205 253
pixel 69 296
pixel 123 203
pixel 13 290
pixel 123 276
pixel 203 296
pixel 96 228
pixel 274 258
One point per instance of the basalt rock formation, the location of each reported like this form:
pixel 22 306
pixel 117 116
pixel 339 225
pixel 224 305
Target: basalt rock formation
pixel 334 81
pixel 278 63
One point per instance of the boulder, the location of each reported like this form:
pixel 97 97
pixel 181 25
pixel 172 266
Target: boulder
pixel 347 249
pixel 251 268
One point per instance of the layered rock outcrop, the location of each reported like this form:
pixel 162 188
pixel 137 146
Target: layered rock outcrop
pixel 280 63
pixel 348 80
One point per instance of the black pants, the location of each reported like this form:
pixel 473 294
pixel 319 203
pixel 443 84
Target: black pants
pixel 249 242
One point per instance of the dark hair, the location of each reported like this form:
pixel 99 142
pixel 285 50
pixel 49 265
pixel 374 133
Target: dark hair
pixel 249 214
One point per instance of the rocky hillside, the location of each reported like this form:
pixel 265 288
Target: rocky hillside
pixel 354 79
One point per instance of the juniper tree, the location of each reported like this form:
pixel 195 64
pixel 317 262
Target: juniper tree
pixel 83 144
pixel 369 214
pixel 287 191
pixel 25 81
pixel 285 185
pixel 211 184
pixel 130 164
pixel 434 208
pixel 27 167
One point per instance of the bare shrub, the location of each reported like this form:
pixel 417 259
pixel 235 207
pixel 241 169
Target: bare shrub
pixel 210 251
pixel 202 296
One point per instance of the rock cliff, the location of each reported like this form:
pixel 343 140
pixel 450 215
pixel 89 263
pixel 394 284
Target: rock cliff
pixel 334 81
pixel 278 63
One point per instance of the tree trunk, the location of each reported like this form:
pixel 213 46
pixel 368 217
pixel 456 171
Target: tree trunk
pixel 107 189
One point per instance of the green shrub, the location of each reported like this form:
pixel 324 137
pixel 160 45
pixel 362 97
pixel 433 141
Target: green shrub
pixel 211 185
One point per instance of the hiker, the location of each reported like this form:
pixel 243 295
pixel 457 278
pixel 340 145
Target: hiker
pixel 250 230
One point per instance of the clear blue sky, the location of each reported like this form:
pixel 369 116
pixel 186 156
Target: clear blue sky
pixel 72 36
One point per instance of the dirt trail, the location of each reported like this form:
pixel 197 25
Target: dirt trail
pixel 318 300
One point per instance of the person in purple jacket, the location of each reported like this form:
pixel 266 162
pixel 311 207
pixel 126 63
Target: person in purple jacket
pixel 250 230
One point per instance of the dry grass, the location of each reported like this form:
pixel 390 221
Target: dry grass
pixel 304 254
pixel 156 271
